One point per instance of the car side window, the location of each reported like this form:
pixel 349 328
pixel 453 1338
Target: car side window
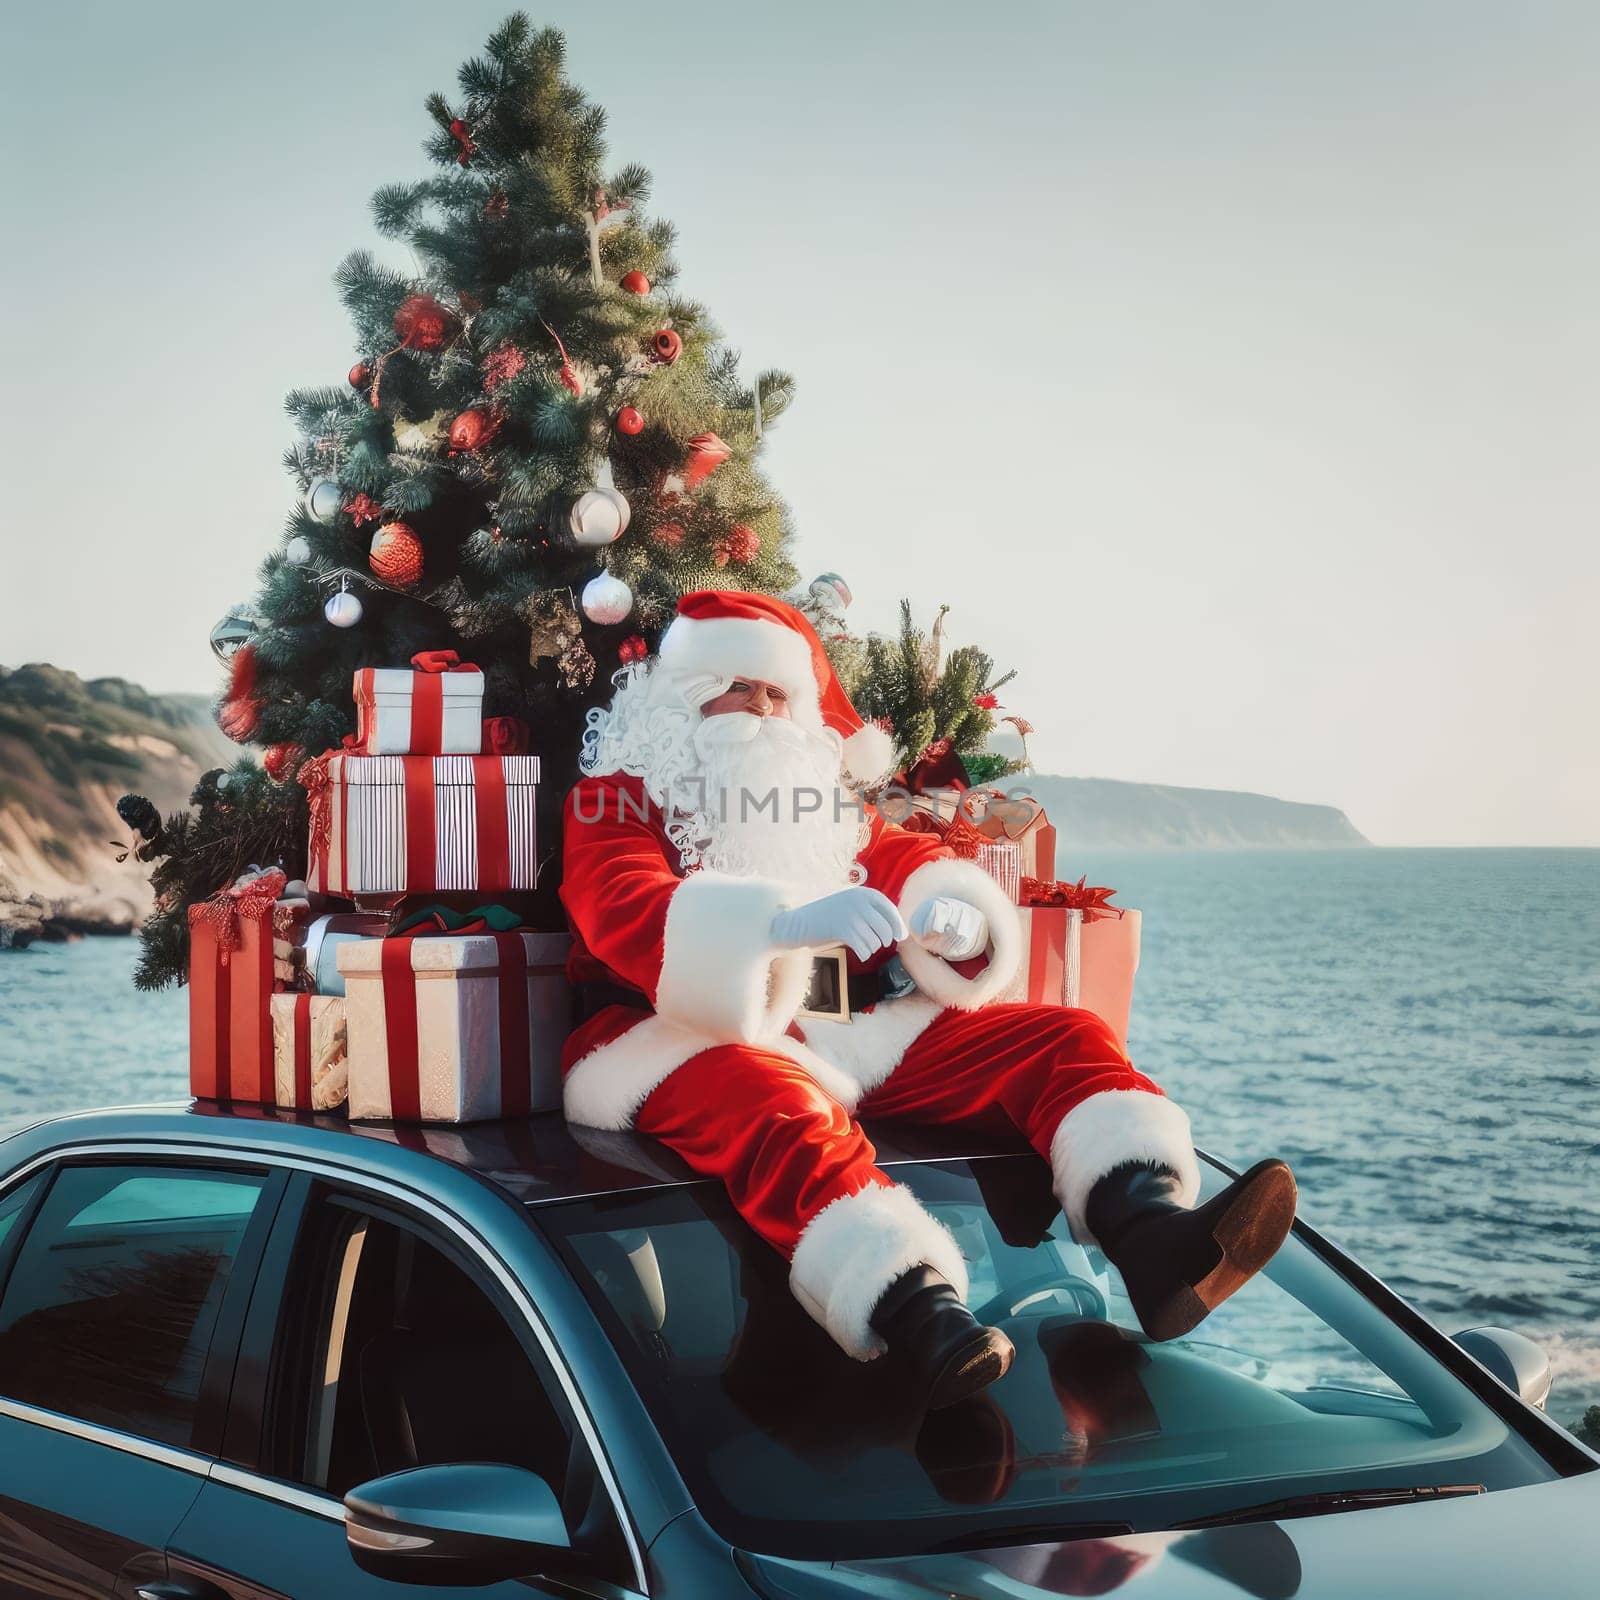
pixel 108 1311
pixel 390 1355
pixel 12 1204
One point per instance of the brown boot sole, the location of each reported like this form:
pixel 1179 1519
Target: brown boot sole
pixel 1248 1234
pixel 980 1364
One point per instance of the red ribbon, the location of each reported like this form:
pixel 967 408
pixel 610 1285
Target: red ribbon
pixel 302 1050
pixel 403 1042
pixel 314 778
pixel 1082 896
pixel 252 900
pixel 441 661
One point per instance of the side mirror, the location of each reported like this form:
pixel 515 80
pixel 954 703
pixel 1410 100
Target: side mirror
pixel 1520 1364
pixel 467 1523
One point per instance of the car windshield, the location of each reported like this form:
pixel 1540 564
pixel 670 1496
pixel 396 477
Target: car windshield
pixel 1297 1385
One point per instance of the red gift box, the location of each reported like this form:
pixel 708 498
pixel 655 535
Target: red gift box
pixel 231 984
pixel 1078 950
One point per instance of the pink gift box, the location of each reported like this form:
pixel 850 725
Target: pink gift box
pixel 1070 961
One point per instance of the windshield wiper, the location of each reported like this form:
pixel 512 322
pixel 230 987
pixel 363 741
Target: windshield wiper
pixel 1328 1500
pixel 982 1538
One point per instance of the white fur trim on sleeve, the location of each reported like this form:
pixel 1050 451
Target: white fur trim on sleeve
pixel 858 1245
pixel 720 975
pixel 1113 1127
pixel 934 976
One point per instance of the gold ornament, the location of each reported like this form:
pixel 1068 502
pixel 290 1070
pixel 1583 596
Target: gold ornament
pixel 553 627
pixel 419 438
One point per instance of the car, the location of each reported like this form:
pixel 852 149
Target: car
pixel 257 1353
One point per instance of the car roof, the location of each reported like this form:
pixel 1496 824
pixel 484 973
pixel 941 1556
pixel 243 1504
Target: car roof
pixel 536 1160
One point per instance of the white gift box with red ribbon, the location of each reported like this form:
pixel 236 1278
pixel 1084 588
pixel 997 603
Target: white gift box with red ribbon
pixel 433 707
pixel 456 1027
pixel 309 1051
pixel 424 824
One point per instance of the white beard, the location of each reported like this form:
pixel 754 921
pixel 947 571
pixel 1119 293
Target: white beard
pixel 769 802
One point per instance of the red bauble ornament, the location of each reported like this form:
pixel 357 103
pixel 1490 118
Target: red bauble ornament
pixel 422 323
pixel 396 554
pixel 666 347
pixel 632 649
pixel 738 545
pixel 630 420
pixel 635 283
pixel 363 508
pixel 706 453
pixel 472 430
pixel 669 535
pixel 360 375
pixel 282 761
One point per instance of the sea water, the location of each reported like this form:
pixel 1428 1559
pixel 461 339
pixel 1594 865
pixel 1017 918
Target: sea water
pixel 1416 1031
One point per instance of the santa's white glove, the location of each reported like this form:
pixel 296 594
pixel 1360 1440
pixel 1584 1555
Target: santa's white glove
pixel 949 928
pixel 861 918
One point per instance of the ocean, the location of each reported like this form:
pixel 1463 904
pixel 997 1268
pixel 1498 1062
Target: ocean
pixel 1416 1031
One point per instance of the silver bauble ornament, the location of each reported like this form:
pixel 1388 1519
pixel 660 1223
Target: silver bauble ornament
pixel 323 500
pixel 596 519
pixel 239 627
pixel 298 551
pixel 606 600
pixel 344 609
pixel 829 590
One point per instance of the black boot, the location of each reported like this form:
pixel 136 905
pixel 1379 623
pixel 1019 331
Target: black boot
pixel 923 1322
pixel 1179 1265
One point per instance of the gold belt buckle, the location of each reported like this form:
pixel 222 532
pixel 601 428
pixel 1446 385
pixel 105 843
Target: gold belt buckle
pixel 828 993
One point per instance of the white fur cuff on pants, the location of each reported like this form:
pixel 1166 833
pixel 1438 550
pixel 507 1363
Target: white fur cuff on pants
pixel 1111 1128
pixel 858 1245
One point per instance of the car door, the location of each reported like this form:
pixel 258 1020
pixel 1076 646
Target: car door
pixel 123 1284
pixel 376 1342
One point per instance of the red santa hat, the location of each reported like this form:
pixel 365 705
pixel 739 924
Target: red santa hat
pixel 729 634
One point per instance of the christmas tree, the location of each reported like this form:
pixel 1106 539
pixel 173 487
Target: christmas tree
pixel 540 446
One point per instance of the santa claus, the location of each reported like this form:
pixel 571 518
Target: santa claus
pixel 760 957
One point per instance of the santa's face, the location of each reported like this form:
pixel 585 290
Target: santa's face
pixel 753 696
pixel 772 800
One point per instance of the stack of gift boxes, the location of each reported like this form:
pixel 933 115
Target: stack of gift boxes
pixel 372 988
pixel 1077 948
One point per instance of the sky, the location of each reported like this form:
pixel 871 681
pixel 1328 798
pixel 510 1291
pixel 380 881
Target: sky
pixel 1229 368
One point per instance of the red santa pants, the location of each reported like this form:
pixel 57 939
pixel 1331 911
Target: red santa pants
pixel 786 1150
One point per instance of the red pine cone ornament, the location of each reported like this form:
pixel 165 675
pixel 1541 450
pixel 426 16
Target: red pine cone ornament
pixel 360 375
pixel 630 420
pixel 666 347
pixel 632 649
pixel 422 323
pixel 738 545
pixel 282 761
pixel 635 283
pixel 472 430
pixel 465 148
pixel 706 453
pixel 396 555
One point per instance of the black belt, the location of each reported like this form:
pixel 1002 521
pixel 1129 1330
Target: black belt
pixel 866 989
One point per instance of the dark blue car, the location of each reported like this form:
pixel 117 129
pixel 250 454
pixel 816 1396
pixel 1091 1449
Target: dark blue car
pixel 254 1355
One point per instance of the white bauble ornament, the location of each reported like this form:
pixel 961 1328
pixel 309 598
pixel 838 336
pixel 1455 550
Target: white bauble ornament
pixel 830 591
pixel 343 610
pixel 606 599
pixel 619 500
pixel 323 500
pixel 298 551
pixel 596 519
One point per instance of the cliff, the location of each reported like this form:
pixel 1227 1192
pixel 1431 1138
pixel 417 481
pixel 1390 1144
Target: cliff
pixel 1104 813
pixel 68 749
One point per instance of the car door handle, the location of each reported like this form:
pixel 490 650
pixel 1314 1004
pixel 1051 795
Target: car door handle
pixel 180 1589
